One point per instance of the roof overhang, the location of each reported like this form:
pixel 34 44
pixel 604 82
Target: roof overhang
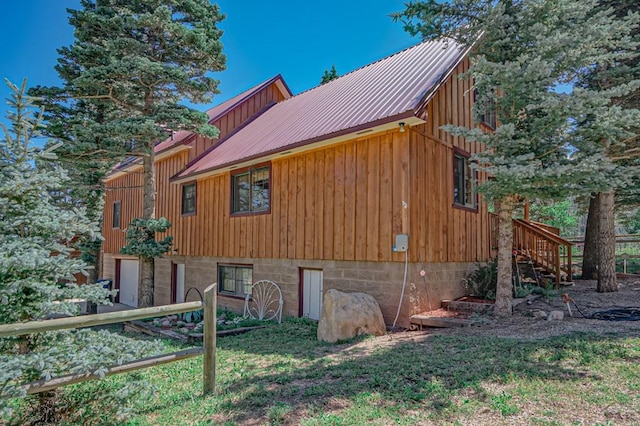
pixel 137 164
pixel 391 123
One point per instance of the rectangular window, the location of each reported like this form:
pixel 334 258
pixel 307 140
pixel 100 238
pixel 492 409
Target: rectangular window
pixel 487 111
pixel 117 207
pixel 464 186
pixel 488 116
pixel 189 199
pixel 235 280
pixel 250 191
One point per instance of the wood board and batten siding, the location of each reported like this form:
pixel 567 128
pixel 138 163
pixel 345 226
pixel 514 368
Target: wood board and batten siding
pixel 237 116
pixel 128 188
pixel 441 232
pixel 343 202
pixel 346 202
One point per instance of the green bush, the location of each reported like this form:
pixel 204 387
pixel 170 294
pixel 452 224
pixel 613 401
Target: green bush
pixel 483 281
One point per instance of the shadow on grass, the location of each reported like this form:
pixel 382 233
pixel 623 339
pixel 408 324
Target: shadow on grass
pixel 285 366
pixel 282 373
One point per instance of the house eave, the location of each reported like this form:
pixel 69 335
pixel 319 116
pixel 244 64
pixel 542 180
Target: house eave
pixel 390 123
pixel 136 165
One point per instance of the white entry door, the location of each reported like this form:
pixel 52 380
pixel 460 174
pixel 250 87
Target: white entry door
pixel 129 282
pixel 179 277
pixel 311 293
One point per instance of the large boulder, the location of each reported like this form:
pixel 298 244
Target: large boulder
pixel 347 315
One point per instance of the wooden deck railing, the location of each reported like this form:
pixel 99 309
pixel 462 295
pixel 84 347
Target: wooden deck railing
pixel 545 248
pixel 209 345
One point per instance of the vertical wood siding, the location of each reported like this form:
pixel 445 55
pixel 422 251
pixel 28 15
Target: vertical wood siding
pixel 344 202
pixel 235 117
pixel 441 232
pixel 321 207
pixel 127 189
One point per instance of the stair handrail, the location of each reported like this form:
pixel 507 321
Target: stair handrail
pixel 553 229
pixel 557 240
pixel 550 235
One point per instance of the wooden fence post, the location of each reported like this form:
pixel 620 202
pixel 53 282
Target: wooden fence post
pixel 209 338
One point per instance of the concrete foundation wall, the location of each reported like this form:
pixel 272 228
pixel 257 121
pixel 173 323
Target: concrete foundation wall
pixel 382 280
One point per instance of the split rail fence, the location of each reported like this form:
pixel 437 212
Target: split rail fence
pixel 208 349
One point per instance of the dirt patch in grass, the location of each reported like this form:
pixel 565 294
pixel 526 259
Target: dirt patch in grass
pixel 522 324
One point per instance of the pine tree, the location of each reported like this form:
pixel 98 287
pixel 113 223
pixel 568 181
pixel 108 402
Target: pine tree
pixel 522 50
pixel 86 155
pixel 329 75
pixel 36 272
pixel 135 62
pixel 599 248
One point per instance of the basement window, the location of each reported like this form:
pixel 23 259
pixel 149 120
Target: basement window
pixel 464 186
pixel 235 280
pixel 251 190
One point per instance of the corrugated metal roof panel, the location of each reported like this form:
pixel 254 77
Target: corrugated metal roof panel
pixel 384 89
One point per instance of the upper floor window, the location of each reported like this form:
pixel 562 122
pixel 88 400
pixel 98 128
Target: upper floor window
pixel 189 198
pixel 235 280
pixel 250 190
pixel 487 111
pixel 464 187
pixel 117 207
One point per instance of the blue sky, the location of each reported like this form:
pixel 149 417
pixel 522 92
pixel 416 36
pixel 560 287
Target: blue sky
pixel 298 39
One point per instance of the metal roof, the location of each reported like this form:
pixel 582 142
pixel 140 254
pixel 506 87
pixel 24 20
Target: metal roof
pixel 391 88
pixel 217 112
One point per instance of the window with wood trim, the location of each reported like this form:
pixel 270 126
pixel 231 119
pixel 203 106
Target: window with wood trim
pixel 464 185
pixel 487 111
pixel 235 280
pixel 117 212
pixel 250 190
pixel 189 198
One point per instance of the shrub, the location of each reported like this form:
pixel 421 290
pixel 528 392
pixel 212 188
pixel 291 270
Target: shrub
pixel 483 281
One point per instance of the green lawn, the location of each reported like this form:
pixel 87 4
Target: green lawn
pixel 282 375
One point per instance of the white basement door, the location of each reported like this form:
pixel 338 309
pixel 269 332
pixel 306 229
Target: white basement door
pixel 311 293
pixel 129 282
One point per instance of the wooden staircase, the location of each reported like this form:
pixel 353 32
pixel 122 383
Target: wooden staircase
pixel 544 248
pixel 542 245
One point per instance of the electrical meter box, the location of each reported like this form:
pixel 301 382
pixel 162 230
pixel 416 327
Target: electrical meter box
pixel 402 243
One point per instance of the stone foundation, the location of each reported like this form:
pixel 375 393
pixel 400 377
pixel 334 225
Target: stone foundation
pixel 382 280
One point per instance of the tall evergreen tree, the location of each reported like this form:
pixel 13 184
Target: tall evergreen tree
pixel 131 64
pixel 86 155
pixel 599 248
pixel 522 50
pixel 35 236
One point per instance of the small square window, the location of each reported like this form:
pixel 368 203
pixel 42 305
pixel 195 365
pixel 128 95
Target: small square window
pixel 250 191
pixel 189 199
pixel 464 185
pixel 235 280
pixel 117 207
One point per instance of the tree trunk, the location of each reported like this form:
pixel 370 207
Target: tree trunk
pixel 590 254
pixel 607 244
pixel 146 278
pixel 504 290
